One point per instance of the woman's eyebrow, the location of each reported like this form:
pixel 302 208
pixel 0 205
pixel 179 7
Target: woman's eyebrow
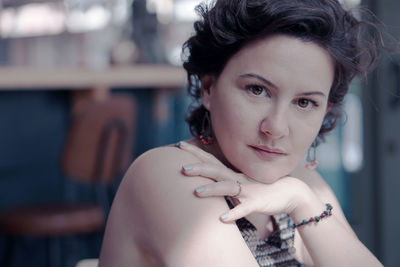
pixel 271 84
pixel 312 93
pixel 259 77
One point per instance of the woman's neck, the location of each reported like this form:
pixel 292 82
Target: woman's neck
pixel 213 149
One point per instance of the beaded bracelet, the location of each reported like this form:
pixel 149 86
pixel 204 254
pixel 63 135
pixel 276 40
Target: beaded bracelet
pixel 325 213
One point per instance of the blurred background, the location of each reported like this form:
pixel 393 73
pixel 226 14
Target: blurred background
pixel 88 85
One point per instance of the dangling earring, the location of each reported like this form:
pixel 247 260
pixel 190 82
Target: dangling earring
pixel 206 132
pixel 312 163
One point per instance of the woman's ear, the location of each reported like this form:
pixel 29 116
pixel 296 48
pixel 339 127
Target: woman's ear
pixel 207 90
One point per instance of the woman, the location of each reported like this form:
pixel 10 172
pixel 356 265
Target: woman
pixel 270 76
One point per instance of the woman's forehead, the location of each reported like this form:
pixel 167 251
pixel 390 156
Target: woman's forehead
pixel 281 57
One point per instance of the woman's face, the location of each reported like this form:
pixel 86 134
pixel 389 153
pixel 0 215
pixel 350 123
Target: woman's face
pixel 268 104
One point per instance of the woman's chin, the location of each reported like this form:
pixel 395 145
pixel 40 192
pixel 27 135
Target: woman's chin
pixel 266 180
pixel 266 177
pixel 262 172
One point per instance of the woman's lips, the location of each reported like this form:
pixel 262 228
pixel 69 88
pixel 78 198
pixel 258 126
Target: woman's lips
pixel 267 153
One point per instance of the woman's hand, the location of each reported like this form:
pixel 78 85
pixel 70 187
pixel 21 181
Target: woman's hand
pixel 283 196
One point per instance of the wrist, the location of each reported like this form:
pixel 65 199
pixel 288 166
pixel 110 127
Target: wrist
pixel 326 213
pixel 307 205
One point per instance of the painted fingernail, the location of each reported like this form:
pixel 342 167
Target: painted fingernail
pixel 200 189
pixel 187 167
pixel 224 216
pixel 183 143
pixel 177 144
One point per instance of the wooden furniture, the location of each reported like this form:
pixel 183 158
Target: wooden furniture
pixel 138 76
pixel 97 150
pixel 87 84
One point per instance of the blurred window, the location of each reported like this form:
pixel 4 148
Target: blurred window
pixel 27 18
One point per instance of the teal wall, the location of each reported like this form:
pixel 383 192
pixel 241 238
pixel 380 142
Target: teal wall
pixel 33 126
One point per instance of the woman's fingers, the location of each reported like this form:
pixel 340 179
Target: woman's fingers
pixel 226 188
pixel 227 182
pixel 200 153
pixel 223 188
pixel 212 171
pixel 236 213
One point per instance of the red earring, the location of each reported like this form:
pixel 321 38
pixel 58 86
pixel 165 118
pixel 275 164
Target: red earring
pixel 312 163
pixel 206 133
pixel 207 140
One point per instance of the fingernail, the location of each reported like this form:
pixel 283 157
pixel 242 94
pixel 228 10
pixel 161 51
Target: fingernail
pixel 200 189
pixel 187 167
pixel 177 144
pixel 183 143
pixel 224 216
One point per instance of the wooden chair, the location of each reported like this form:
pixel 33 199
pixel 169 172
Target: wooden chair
pixel 97 150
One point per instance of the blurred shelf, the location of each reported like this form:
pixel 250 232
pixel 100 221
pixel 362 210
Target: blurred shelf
pixel 137 76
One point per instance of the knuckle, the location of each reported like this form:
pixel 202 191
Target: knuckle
pixel 200 167
pixel 214 169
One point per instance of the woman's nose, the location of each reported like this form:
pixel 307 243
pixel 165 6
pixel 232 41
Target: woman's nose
pixel 275 124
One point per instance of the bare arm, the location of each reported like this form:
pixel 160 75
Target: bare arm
pixel 333 237
pixel 331 242
pixel 155 205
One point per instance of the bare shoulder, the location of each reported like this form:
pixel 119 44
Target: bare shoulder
pixel 156 176
pixel 178 227
pixel 153 165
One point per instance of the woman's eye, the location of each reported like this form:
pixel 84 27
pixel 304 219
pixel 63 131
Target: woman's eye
pixel 305 103
pixel 256 89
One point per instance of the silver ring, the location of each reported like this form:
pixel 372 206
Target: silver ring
pixel 240 189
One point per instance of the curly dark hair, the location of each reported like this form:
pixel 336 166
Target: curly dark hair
pixel 226 26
